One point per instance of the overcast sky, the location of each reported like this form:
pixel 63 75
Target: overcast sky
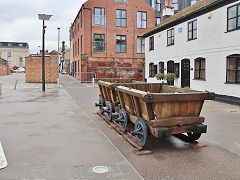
pixel 19 21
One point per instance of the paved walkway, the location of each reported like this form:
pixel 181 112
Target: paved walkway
pixel 48 136
pixel 173 159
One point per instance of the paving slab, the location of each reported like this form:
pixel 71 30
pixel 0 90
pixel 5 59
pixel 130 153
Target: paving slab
pixel 48 136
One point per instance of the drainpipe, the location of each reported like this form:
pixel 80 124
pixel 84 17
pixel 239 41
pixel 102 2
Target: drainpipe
pixel 90 28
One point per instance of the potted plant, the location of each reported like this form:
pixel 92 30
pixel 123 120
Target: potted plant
pixel 170 77
pixel 160 76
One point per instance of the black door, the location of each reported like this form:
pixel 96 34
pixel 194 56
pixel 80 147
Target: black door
pixel 185 73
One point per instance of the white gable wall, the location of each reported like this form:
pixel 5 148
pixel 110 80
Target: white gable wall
pixel 213 43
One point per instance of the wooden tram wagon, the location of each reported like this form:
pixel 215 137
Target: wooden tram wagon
pixel 162 110
pixel 108 98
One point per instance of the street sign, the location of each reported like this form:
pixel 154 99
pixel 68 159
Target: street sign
pixel 53 61
pixel 3 160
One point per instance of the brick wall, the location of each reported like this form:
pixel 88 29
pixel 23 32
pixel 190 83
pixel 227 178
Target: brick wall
pixel 113 67
pixel 33 67
pixel 4 70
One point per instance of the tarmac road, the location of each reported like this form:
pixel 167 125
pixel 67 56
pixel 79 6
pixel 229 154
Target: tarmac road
pixel 173 159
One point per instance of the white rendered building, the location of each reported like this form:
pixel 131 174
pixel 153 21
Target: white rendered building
pixel 201 44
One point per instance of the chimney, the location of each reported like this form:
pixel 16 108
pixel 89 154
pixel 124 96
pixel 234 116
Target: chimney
pixel 168 9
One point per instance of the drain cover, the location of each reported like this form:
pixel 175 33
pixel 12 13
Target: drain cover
pixel 100 169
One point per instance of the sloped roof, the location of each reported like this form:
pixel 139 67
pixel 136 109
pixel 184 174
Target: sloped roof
pixel 202 6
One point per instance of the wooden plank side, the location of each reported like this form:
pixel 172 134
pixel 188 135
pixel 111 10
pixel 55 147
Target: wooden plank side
pixel 183 108
pixel 173 121
pixel 137 106
pixel 128 103
pixel 120 96
pixel 158 110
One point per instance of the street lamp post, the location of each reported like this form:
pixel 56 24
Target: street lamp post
pixel 58 53
pixel 43 17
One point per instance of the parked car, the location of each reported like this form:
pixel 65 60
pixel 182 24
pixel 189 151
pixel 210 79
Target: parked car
pixel 20 70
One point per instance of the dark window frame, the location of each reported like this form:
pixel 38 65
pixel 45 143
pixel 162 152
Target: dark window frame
pixel 121 43
pixel 151 43
pixel 121 17
pixel 101 35
pixel 170 66
pixel 151 69
pixel 176 69
pixel 237 17
pixel 236 70
pixel 100 15
pixel 158 4
pixel 199 76
pixel 192 31
pixel 142 20
pixel 161 67
pixel 171 37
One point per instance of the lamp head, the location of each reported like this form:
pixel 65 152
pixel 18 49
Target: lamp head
pixel 44 16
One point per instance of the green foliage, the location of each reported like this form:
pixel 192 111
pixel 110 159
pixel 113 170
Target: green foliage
pixel 187 87
pixel 170 77
pixel 160 76
pixel 141 69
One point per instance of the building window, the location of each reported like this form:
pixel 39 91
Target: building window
pixel 233 18
pixel 121 18
pixel 81 18
pixel 121 44
pixel 170 37
pixel 9 54
pixel 20 59
pixel 161 67
pixel 170 67
pixel 151 43
pixel 233 69
pixel 9 44
pixel 20 45
pixel 78 46
pixel 78 23
pixel 176 69
pixel 99 43
pixel 151 70
pixel 158 5
pixel 99 16
pixel 121 1
pixel 140 45
pixel 192 30
pixel 199 69
pixel 175 5
pixel 157 20
pixel 81 44
pixel 141 20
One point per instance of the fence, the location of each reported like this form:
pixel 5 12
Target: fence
pixel 85 77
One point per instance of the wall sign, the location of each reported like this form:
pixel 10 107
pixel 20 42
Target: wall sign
pixel 53 61
pixel 180 30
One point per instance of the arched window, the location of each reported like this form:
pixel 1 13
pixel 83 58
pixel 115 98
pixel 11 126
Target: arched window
pixel 161 67
pixel 233 68
pixel 170 67
pixel 151 69
pixel 199 72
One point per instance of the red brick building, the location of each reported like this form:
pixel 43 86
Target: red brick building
pixel 4 70
pixel 106 37
pixel 33 68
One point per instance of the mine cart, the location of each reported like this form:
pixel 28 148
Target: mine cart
pixel 116 80
pixel 171 110
pixel 108 98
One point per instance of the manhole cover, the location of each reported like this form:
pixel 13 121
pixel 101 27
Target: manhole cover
pixel 100 169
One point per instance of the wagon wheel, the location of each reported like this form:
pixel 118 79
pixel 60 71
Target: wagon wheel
pixel 100 104
pixel 123 119
pixel 109 110
pixel 194 136
pixel 140 132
